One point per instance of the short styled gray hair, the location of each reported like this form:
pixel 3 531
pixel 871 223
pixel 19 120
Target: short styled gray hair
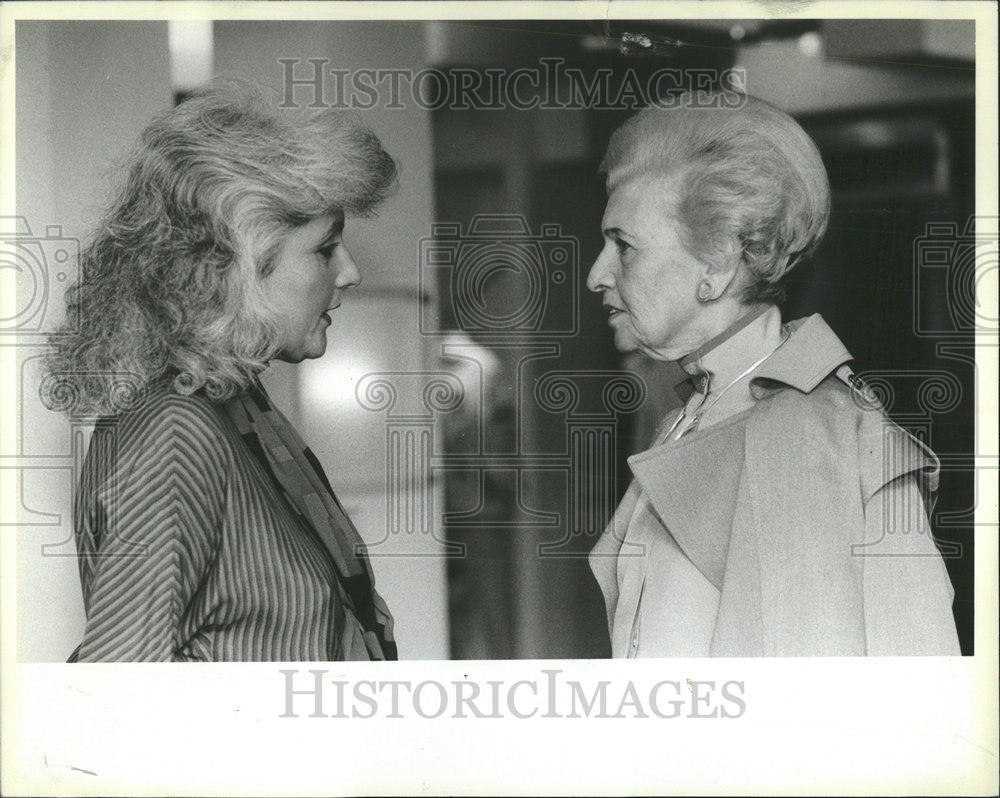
pixel 752 186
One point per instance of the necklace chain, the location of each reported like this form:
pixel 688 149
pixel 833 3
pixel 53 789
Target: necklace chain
pixel 706 407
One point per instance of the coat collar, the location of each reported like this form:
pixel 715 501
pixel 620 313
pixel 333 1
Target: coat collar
pixel 809 352
pixel 716 364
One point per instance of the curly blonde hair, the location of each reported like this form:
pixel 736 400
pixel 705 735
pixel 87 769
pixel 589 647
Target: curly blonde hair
pixel 170 283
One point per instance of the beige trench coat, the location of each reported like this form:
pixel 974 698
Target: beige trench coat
pixel 817 537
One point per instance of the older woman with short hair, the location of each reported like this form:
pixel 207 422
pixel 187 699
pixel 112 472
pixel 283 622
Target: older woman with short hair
pixel 778 512
pixel 205 526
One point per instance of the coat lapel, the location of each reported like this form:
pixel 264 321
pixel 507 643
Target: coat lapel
pixel 692 485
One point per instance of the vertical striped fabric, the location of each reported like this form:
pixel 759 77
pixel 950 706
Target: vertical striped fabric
pixel 300 475
pixel 189 549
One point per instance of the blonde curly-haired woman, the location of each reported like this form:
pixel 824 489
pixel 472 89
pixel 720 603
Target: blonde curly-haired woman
pixel 205 526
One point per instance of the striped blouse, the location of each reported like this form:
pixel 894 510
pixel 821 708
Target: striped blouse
pixel 188 551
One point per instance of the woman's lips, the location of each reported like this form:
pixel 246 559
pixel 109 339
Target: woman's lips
pixel 325 315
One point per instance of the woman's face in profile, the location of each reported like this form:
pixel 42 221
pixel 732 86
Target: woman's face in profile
pixel 311 270
pixel 647 277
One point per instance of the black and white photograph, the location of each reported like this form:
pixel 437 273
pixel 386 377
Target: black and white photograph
pixel 499 398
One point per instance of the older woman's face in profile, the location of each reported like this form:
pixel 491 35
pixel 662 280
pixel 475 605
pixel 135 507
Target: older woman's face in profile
pixel 647 278
pixel 311 270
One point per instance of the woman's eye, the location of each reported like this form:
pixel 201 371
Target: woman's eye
pixel 327 250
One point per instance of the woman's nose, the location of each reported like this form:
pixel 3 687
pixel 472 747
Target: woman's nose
pixel 347 270
pixel 600 277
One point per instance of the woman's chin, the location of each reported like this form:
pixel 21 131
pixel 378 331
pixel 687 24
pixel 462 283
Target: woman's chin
pixel 317 346
pixel 625 342
pixel 314 352
pixel 308 351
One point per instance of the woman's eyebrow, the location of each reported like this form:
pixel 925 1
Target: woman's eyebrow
pixel 617 232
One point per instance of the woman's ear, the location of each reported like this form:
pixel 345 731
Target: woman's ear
pixel 719 275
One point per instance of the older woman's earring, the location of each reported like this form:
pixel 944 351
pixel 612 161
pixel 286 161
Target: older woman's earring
pixel 704 291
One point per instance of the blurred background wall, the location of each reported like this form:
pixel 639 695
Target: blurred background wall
pixel 84 91
pixel 481 553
